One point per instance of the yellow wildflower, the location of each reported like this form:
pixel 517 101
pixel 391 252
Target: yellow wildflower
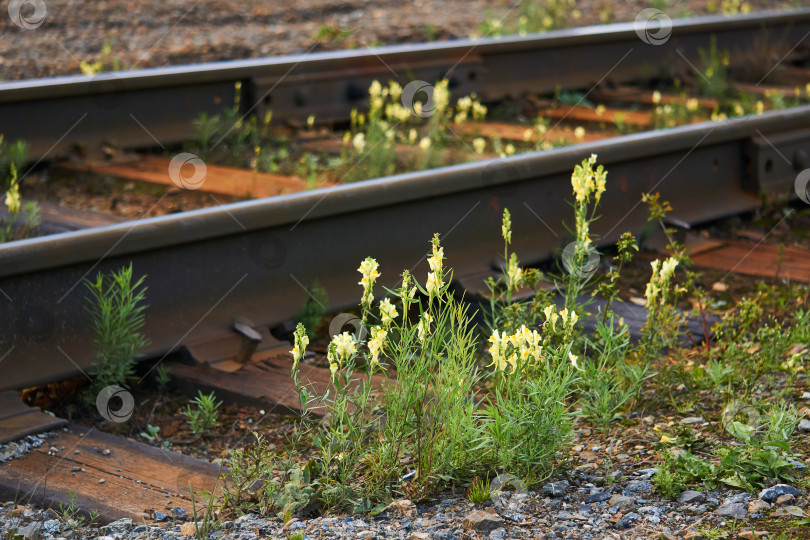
pixel 388 312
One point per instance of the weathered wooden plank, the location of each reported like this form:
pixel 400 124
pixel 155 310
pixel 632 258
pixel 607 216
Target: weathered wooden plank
pixel 110 474
pixel 633 94
pixel 18 419
pixel 762 260
pixel 586 114
pixel 264 382
pixel 217 179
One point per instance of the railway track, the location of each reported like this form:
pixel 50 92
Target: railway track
pixel 219 279
pixel 270 248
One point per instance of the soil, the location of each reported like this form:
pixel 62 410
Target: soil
pixel 149 33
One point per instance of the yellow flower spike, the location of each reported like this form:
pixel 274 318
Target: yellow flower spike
pixel 376 344
pixel 667 439
pixel 506 226
pixel 369 273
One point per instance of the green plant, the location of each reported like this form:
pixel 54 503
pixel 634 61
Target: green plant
pixel 370 146
pixel 332 33
pixel 609 382
pixel 202 413
pixel 720 374
pixel 231 136
pixel 116 308
pixel 479 491
pixel 504 314
pixel 608 288
pixel 527 420
pixel 668 115
pixel 203 527
pixel 314 308
pixel 762 452
pixel 423 434
pixel 12 158
pixel 72 514
pixel 668 479
pixel 103 63
pixel 713 80
pixel 163 377
pixel 589 185
pixel 248 468
pixel 533 16
pixel 151 433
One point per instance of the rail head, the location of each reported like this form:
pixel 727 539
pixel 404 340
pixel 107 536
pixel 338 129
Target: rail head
pixel 43 253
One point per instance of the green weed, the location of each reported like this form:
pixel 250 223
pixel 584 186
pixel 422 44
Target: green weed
pixel 116 308
pixel 479 491
pixel 202 413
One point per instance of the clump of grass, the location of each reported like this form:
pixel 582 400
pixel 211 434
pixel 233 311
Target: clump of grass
pixel 71 514
pixel 533 16
pixel 479 491
pixel 116 308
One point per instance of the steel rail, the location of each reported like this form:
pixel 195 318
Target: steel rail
pixel 253 258
pixel 57 115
